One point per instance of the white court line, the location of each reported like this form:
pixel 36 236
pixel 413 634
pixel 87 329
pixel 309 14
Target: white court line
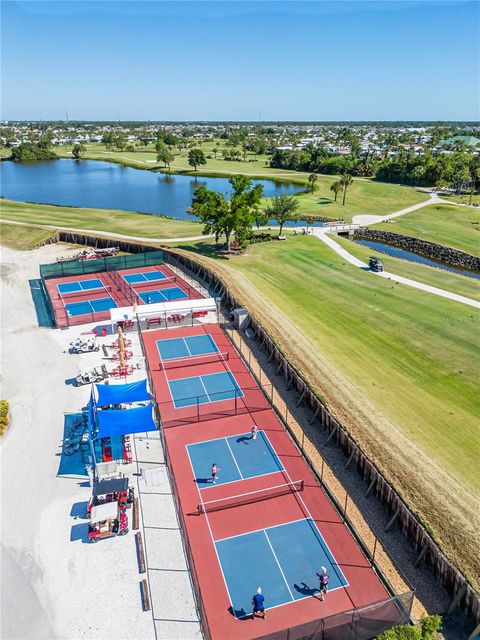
pixel 275 526
pixel 279 565
pixel 212 539
pixel 188 348
pixel 200 378
pixel 234 459
pixel 310 517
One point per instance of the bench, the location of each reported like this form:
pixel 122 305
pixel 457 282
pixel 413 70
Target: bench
pixel 154 321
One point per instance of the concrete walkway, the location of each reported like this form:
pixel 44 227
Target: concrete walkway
pixel 348 257
pixel 366 219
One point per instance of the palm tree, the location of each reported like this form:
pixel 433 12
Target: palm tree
pixel 282 209
pixel 312 178
pixel 346 180
pixel 336 187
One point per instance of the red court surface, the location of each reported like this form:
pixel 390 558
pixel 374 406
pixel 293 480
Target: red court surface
pixel 114 286
pixel 179 430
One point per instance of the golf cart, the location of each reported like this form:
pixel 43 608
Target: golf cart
pixel 111 490
pixel 96 374
pixel 375 264
pixel 106 521
pixel 84 345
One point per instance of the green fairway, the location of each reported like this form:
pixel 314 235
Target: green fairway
pixel 400 366
pixel 23 238
pixel 457 227
pixel 363 196
pixel 104 220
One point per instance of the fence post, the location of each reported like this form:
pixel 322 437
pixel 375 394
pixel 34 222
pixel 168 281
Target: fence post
pixel 374 551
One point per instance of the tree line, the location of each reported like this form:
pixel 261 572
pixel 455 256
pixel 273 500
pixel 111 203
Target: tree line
pixel 406 167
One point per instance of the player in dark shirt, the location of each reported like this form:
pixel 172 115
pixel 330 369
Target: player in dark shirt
pixel 258 602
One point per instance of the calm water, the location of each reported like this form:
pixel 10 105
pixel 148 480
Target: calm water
pixel 415 257
pixel 105 185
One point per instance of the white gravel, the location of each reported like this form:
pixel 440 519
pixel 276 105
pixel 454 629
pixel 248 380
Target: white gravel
pixel 54 584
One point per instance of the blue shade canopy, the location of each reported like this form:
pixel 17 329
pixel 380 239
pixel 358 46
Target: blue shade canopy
pixel 118 393
pixel 120 423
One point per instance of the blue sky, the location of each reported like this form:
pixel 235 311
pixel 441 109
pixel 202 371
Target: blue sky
pixel 356 60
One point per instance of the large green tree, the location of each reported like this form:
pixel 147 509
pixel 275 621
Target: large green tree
pixel 282 209
pixel 196 158
pixel 78 151
pixel 164 155
pixel 225 216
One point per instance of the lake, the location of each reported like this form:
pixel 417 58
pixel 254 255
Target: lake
pixel 105 185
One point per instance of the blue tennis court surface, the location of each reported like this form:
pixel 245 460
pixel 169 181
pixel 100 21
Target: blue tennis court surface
pixel 80 285
pixel 213 387
pixel 147 276
pixel 89 306
pixel 282 560
pixel 237 457
pixel 172 348
pixel 162 295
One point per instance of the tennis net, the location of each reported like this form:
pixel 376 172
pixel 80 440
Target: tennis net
pixel 251 497
pixel 83 293
pixel 188 361
pixel 153 284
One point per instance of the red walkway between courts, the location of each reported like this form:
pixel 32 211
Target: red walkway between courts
pixel 115 287
pixel 218 420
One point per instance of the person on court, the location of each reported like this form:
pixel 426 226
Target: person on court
pixel 258 602
pixel 214 473
pixel 323 577
pixel 254 431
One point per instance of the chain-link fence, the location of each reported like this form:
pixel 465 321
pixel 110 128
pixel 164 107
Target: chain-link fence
pixel 112 263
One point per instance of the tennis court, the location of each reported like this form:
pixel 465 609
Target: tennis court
pixel 90 306
pixel 237 457
pixel 178 348
pixel 144 277
pixel 211 387
pixel 79 286
pixel 162 295
pixel 283 559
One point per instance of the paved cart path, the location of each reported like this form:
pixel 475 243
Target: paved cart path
pixel 328 240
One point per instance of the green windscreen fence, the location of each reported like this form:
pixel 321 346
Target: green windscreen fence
pixel 112 263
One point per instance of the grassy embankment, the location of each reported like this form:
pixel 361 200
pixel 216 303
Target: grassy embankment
pixel 100 220
pixel 363 196
pixel 397 365
pixel 23 238
pixel 457 227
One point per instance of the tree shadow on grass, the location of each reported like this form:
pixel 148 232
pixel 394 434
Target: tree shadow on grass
pixel 325 201
pixel 204 249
